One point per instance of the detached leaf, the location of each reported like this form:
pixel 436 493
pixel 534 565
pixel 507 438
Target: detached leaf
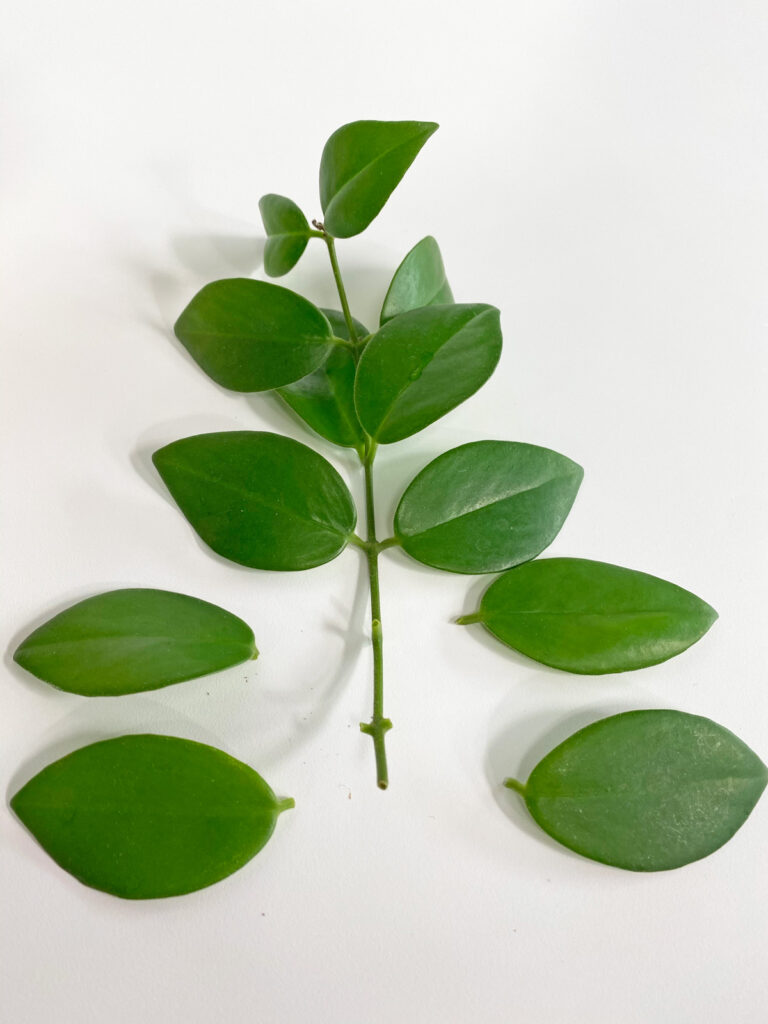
pixel 422 364
pixel 144 817
pixel 288 232
pixel 419 281
pixel 362 164
pixel 486 506
pixel 645 790
pixel 252 335
pixel 129 641
pixel 591 617
pixel 259 499
pixel 325 399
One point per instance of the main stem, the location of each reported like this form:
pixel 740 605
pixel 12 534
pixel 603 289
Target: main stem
pixel 379 726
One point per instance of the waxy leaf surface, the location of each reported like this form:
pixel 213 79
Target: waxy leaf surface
pixel 128 641
pixel 362 164
pixel 592 617
pixel 288 232
pixel 422 364
pixel 486 506
pixel 419 281
pixel 149 816
pixel 645 790
pixel 325 399
pixel 258 498
pixel 252 335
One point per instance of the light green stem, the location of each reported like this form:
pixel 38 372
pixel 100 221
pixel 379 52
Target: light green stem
pixel 340 288
pixel 379 726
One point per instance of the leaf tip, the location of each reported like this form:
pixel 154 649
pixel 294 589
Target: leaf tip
pixel 286 804
pixel 467 620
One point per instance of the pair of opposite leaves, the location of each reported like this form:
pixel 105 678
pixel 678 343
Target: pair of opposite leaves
pixel 255 336
pixel 150 816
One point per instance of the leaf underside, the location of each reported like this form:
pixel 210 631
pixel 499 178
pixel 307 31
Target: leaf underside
pixel 144 817
pixel 133 640
pixel 591 617
pixel 646 790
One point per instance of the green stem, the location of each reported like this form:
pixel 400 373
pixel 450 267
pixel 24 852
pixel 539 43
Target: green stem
pixel 330 242
pixel 378 727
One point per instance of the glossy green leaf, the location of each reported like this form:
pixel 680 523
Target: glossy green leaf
pixel 259 499
pixel 147 816
pixel 252 335
pixel 288 232
pixel 128 641
pixel 422 364
pixel 325 399
pixel 486 506
pixel 362 164
pixel 419 281
pixel 645 790
pixel 591 617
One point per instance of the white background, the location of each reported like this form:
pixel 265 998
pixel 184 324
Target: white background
pixel 600 175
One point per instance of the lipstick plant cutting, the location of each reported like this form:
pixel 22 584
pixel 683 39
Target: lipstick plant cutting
pixel 148 816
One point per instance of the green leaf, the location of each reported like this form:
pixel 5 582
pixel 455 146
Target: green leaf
pixel 129 641
pixel 147 816
pixel 422 364
pixel 252 335
pixel 325 399
pixel 419 281
pixel 645 790
pixel 486 506
pixel 591 617
pixel 362 164
pixel 288 232
pixel 259 499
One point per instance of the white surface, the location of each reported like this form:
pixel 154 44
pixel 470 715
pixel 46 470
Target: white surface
pixel 600 175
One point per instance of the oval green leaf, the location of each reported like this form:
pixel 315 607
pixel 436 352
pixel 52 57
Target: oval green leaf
pixel 591 617
pixel 325 399
pixel 252 335
pixel 362 164
pixel 645 790
pixel 486 506
pixel 258 498
pixel 129 641
pixel 422 364
pixel 288 232
pixel 144 817
pixel 419 281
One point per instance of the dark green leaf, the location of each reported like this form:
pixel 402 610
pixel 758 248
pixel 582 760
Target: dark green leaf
pixel 422 364
pixel 419 281
pixel 486 506
pixel 288 232
pixel 361 166
pixel 252 335
pixel 325 400
pixel 258 498
pixel 128 641
pixel 591 617
pixel 148 816
pixel 645 790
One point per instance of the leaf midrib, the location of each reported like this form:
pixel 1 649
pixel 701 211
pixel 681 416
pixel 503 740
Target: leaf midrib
pixel 497 501
pixel 410 383
pixel 379 156
pixel 256 499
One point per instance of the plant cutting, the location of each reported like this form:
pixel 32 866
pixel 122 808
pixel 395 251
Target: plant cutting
pixel 269 502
